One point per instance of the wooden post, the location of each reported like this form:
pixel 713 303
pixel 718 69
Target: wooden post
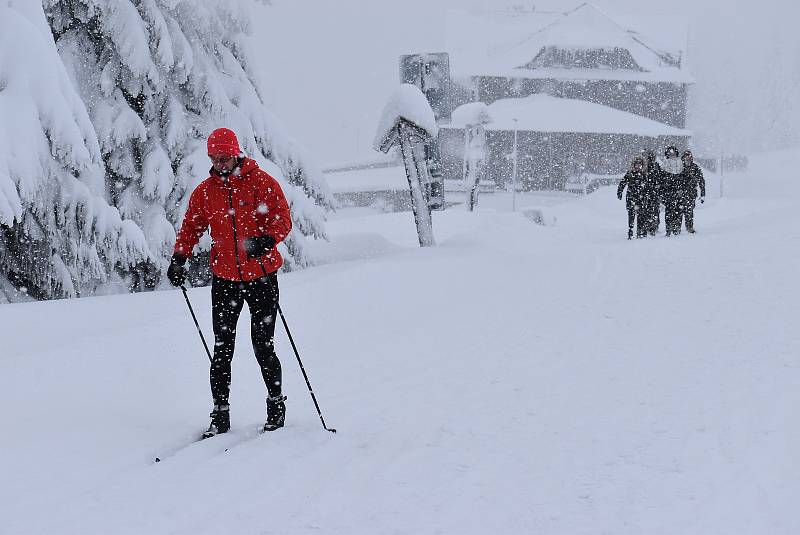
pixel 419 201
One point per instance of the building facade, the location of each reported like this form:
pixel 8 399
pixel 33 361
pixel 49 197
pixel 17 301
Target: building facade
pixel 580 92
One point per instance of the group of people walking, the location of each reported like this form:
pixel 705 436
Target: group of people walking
pixel 673 183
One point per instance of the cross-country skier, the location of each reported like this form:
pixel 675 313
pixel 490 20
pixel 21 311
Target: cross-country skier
pixel 248 215
pixel 693 179
pixel 634 180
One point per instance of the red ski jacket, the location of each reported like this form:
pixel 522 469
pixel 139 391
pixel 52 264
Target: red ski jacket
pixel 246 204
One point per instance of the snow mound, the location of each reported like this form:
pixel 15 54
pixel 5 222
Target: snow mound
pixel 540 216
pixel 356 246
pixel 472 113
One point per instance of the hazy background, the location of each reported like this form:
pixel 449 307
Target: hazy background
pixel 330 65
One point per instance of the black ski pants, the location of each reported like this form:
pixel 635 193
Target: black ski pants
pixel 688 208
pixel 673 212
pixel 653 213
pixel 227 300
pixel 636 216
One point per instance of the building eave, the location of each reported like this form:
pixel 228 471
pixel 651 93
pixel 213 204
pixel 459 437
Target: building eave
pixel 543 113
pixel 677 77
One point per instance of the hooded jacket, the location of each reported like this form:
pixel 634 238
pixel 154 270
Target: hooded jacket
pixel 248 203
pixel 635 182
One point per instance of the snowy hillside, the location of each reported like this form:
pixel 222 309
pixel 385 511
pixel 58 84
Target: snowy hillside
pixel 559 380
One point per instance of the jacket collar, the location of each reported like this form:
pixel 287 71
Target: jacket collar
pixel 245 167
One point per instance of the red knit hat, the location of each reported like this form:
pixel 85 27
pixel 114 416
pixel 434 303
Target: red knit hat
pixel 223 142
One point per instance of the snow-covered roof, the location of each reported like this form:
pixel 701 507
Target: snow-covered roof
pixel 472 37
pixel 502 51
pixel 544 113
pixel 472 113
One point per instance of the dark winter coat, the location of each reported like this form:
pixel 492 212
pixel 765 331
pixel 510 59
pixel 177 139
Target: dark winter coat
pixel 653 179
pixel 635 182
pixel 671 185
pixel 248 203
pixel 652 183
pixel 693 178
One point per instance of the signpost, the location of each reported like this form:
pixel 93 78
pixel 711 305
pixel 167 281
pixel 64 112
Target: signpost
pixel 408 123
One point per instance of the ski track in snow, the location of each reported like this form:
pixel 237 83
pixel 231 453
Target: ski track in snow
pixel 559 379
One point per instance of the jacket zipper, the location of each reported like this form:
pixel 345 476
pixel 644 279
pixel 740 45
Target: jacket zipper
pixel 235 239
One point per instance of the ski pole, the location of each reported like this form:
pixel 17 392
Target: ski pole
pixel 294 347
pixel 186 296
pixel 302 369
pixel 296 353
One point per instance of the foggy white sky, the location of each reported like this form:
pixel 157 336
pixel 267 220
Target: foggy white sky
pixel 329 66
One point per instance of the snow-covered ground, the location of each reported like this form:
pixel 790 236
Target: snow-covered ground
pixel 559 379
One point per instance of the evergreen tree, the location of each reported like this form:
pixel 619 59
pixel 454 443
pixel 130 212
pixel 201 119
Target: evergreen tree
pixel 58 236
pixel 157 76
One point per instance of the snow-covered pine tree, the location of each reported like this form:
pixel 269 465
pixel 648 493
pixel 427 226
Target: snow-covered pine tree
pixel 58 236
pixel 157 77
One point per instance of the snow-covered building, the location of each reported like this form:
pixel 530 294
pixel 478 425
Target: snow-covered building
pixel 557 138
pixel 582 91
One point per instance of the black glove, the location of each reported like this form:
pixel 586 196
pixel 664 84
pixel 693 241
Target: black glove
pixel 176 273
pixel 258 245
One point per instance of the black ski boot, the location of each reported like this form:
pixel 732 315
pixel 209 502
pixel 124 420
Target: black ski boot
pixel 276 413
pixel 220 421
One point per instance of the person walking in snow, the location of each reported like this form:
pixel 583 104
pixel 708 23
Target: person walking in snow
pixel 248 215
pixel 693 178
pixel 634 180
pixel 651 200
pixel 672 187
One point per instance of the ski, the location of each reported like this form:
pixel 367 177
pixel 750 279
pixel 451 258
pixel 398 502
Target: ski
pixel 221 443
pixel 177 450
